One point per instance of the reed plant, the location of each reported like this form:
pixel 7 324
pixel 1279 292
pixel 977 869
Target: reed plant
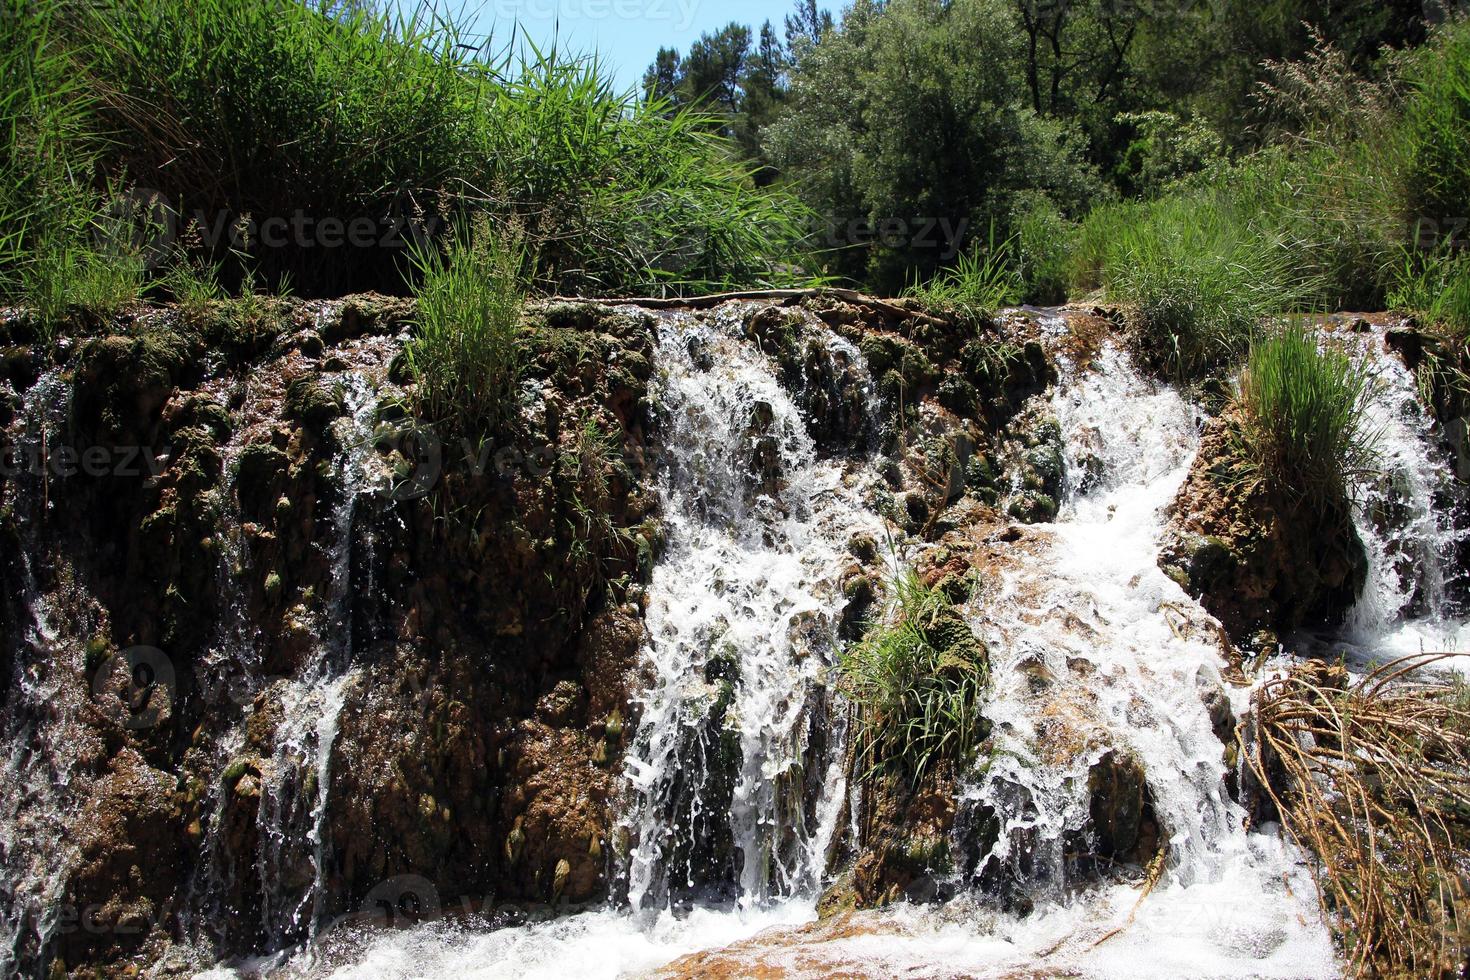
pixel 1372 777
pixel 464 357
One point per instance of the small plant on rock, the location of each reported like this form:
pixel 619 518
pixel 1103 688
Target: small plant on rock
pixel 464 358
pixel 917 680
pixel 981 282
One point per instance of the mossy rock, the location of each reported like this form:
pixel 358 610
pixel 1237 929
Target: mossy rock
pixel 314 403
pixel 1032 507
pixel 260 466
pixel 1208 562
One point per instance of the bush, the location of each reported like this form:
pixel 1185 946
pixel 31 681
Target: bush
pixel 1201 277
pixel 917 680
pixel 1043 242
pixel 1302 408
pixel 463 357
pixel 315 144
pixel 1436 128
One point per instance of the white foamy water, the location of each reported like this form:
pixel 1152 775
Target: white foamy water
pixel 1410 515
pixel 744 611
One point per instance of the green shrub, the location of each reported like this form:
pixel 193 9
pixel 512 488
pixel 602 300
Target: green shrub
pixel 463 357
pixel 1302 406
pixel 917 680
pixel 1043 243
pixel 1201 276
pixel 1436 128
pixel 268 110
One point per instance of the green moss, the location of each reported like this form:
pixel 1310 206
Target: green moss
pixel 98 649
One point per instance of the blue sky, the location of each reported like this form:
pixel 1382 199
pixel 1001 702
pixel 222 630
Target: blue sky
pixel 626 33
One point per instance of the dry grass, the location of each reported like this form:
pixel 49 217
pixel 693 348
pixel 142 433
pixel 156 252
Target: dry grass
pixel 1374 779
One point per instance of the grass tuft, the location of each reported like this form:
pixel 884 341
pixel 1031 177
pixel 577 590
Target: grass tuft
pixel 982 281
pixel 1373 779
pixel 463 357
pixel 1200 277
pixel 1302 407
pixel 917 679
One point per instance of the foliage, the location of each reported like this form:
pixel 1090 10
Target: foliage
pixel 1372 778
pixel 463 357
pixel 1167 148
pixel 917 680
pixel 1302 406
pixel 1043 242
pixel 323 143
pixel 913 115
pixel 1435 285
pixel 983 281
pixel 1436 129
pixel 1199 275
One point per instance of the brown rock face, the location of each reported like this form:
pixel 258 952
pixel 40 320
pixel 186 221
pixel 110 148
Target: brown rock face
pixel 131 842
pixel 1254 559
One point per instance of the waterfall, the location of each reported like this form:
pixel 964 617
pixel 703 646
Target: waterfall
pixel 37 797
pixel 1411 515
pixel 736 774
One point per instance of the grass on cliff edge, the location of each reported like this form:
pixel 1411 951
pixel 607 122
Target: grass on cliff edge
pixel 1302 408
pixel 463 357
pixel 917 679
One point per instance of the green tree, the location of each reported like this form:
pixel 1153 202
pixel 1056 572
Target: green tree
pixel 911 127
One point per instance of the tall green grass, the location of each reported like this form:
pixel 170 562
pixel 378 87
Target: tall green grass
pixel 58 249
pixel 464 358
pixel 263 109
pixel 1436 286
pixel 1436 128
pixel 918 680
pixel 982 281
pixel 1199 273
pixel 1303 408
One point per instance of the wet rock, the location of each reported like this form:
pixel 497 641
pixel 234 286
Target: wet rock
pixel 561 706
pixel 310 344
pixel 1254 559
pixel 1408 343
pixel 1122 825
pixel 130 844
pixel 314 403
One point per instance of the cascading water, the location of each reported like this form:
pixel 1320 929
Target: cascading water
pixel 1411 516
pixel 735 749
pixel 36 852
pixel 735 776
pixel 290 859
pixel 296 784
